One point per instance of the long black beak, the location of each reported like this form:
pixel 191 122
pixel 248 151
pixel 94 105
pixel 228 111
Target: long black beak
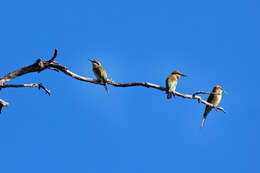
pixel 90 60
pixel 183 75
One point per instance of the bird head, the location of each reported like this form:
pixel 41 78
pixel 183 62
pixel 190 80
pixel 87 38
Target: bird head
pixel 217 89
pixel 178 74
pixel 95 62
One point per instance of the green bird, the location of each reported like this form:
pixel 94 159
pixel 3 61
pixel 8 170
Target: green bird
pixel 99 72
pixel 214 98
pixel 171 83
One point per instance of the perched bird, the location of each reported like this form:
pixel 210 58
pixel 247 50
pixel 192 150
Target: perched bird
pixel 171 83
pixel 99 72
pixel 214 98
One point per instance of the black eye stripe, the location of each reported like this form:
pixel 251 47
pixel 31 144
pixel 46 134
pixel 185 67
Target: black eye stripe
pixel 95 62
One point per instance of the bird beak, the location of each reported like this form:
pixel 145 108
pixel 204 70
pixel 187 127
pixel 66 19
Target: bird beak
pixel 183 75
pixel 225 92
pixel 90 60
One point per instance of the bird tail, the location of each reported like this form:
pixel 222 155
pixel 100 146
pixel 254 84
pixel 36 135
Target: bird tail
pixel 202 122
pixel 106 88
pixel 169 95
pixel 207 110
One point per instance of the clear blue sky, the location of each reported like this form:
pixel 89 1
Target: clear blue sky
pixel 133 130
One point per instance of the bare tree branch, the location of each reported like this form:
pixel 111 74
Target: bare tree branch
pixel 201 92
pixel 204 92
pixel 39 86
pixel 2 104
pixel 40 65
pixel 54 55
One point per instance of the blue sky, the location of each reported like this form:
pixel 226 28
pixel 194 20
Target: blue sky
pixel 82 129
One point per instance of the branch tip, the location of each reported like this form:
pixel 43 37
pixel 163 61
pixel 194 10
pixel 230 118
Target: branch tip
pixel 3 104
pixel 54 55
pixel 40 86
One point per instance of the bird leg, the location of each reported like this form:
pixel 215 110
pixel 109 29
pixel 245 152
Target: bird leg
pixel 174 95
pixel 215 107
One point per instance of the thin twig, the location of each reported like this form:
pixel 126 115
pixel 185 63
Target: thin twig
pixel 39 86
pixel 2 104
pixel 54 55
pixel 201 92
pixel 204 92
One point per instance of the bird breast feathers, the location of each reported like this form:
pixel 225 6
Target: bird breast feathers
pixel 216 99
pixel 172 82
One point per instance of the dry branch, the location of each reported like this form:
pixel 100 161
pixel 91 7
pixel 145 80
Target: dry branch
pixel 201 92
pixel 2 104
pixel 40 65
pixel 39 86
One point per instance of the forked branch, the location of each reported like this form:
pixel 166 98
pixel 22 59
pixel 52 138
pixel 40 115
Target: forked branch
pixel 39 86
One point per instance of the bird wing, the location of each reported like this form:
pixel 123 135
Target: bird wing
pixel 97 73
pixel 210 98
pixel 103 75
pixel 166 84
pixel 208 108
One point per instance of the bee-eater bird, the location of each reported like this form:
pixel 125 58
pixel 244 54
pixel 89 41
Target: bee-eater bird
pixel 99 72
pixel 214 98
pixel 171 83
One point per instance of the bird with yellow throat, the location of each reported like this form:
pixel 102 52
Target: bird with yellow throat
pixel 214 98
pixel 171 83
pixel 99 72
